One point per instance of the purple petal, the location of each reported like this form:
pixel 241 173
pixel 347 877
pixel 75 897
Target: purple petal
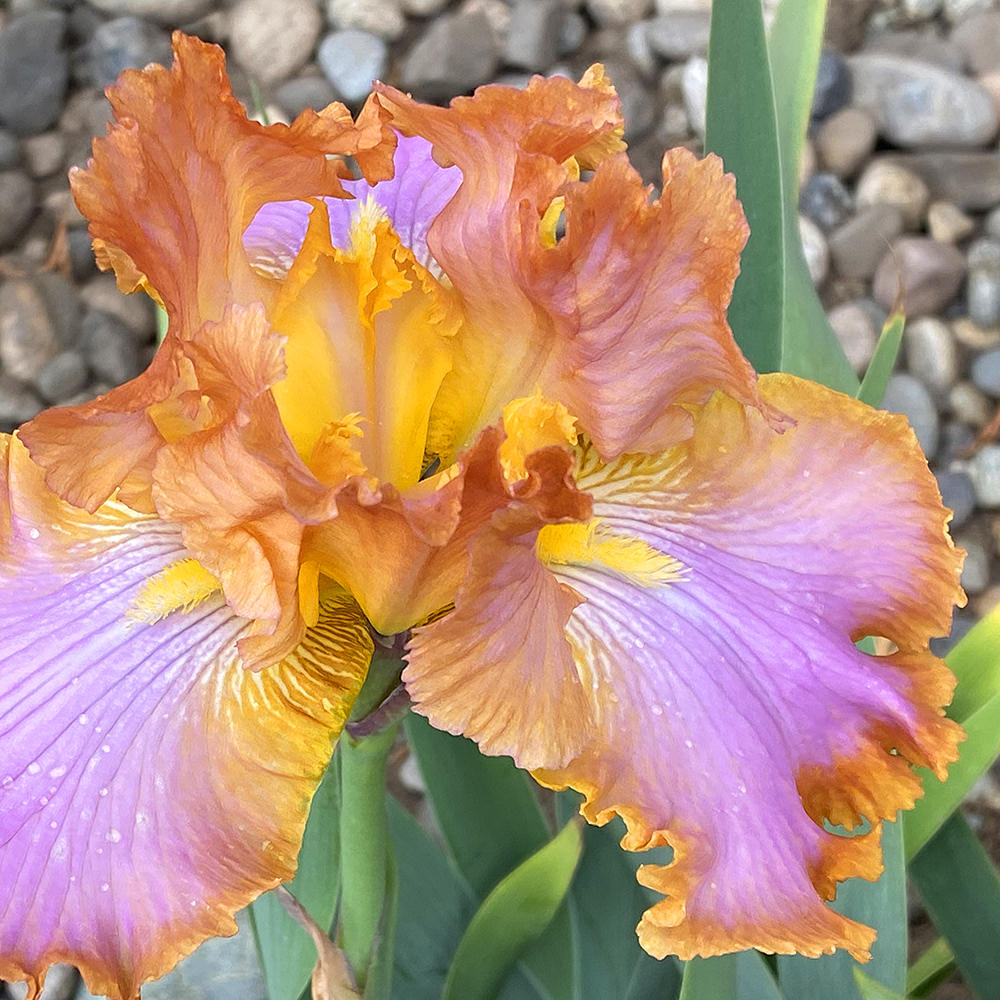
pixel 412 199
pixel 717 594
pixel 148 788
pixel 274 237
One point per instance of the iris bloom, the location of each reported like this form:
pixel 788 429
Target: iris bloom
pixel 476 398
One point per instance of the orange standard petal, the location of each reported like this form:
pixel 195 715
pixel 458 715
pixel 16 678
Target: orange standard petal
pixel 516 149
pixel 623 317
pixel 169 193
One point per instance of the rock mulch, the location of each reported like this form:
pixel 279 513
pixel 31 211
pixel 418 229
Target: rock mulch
pixel 901 178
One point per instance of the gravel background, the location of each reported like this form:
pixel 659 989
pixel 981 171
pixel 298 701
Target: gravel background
pixel 901 184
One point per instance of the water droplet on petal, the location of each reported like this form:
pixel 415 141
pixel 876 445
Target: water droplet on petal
pixel 105 886
pixel 113 836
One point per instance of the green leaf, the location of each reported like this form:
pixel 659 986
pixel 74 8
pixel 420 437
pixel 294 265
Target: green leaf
pixel 754 980
pixel 489 814
pixel 758 109
pixel 871 989
pixel 257 100
pixel 486 808
pixel 793 53
pixel 960 889
pixel 933 967
pixel 941 799
pixel 709 978
pixel 883 361
pixel 434 906
pixel 975 661
pixel 606 903
pixel 162 322
pixel 659 979
pixel 742 976
pixel 514 914
pixel 549 962
pixel 741 128
pixel 287 955
pixel 809 347
pixel 881 905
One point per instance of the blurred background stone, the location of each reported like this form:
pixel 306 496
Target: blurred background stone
pixel 126 43
pixel 34 71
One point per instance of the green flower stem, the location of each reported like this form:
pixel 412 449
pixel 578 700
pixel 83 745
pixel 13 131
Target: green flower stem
pixel 363 844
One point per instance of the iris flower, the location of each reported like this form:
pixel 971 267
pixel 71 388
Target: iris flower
pixel 477 390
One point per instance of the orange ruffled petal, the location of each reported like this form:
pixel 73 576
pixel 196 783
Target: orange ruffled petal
pixel 516 150
pixel 237 487
pixel 641 326
pixel 168 194
pixel 514 690
pixel 183 171
pixel 623 319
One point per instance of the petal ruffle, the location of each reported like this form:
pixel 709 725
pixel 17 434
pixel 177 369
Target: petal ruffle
pixel 183 171
pixel 720 588
pixel 150 786
pixel 169 193
pixel 642 325
pixel 511 147
pixel 235 484
pixel 624 318
pixel 404 555
pixel 514 690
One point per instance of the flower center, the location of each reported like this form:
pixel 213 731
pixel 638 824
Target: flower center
pixel 368 332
